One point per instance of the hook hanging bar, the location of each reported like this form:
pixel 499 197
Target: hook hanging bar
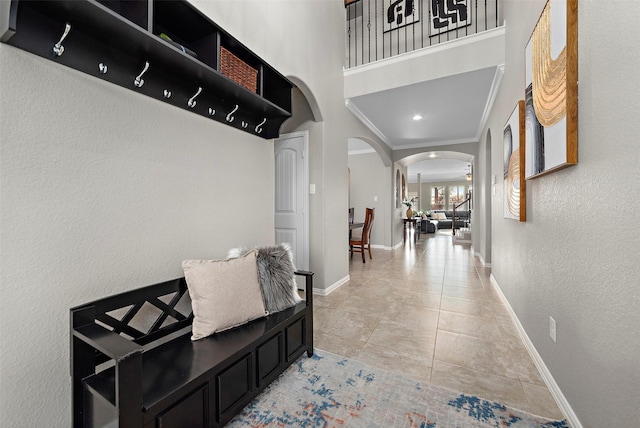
pixel 230 115
pixel 139 80
pixel 102 67
pixel 259 127
pixel 58 49
pixel 192 101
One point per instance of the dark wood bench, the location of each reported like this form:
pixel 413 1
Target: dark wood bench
pixel 127 376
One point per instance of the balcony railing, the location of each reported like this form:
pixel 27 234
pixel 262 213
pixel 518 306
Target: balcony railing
pixel 378 29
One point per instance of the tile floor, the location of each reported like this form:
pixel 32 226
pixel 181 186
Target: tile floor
pixel 429 311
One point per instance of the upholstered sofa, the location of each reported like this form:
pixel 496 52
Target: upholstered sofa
pixel 427 226
pixel 444 218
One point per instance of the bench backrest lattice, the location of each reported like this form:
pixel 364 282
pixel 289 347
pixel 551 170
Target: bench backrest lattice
pixel 144 315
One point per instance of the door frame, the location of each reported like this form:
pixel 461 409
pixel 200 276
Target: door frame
pixel 305 193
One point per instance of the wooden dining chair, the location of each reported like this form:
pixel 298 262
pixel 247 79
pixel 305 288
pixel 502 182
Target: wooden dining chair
pixel 362 243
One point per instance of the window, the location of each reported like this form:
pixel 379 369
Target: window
pixel 457 194
pixel 437 198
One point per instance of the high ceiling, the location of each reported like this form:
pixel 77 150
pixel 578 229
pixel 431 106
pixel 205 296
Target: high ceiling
pixel 453 110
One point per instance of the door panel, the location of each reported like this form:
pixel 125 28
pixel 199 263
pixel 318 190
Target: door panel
pixel 291 197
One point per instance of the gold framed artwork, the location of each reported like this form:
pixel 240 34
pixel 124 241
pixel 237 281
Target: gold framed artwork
pixel 551 90
pixel 515 201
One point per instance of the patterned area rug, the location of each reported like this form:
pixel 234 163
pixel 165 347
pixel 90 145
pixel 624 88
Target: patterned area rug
pixel 332 391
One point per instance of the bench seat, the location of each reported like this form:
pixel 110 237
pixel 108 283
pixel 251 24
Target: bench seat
pixel 180 382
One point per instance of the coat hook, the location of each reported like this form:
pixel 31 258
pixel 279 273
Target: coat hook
pixel 102 68
pixel 167 93
pixel 212 111
pixel 139 80
pixel 230 115
pixel 192 101
pixel 58 49
pixel 259 127
pixel 245 124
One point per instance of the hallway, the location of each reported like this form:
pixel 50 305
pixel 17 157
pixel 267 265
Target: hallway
pixel 429 312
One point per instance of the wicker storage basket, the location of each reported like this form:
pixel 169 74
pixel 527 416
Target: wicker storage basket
pixel 238 70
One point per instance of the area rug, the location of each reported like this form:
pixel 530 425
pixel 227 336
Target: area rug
pixel 332 391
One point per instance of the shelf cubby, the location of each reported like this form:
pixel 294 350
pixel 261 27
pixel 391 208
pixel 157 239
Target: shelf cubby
pixel 125 35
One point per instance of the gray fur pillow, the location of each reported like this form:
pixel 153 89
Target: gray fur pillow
pixel 276 276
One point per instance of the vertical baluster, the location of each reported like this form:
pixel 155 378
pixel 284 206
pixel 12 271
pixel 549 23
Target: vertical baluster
pixel 405 37
pixel 355 32
pixel 398 43
pixel 349 35
pixel 476 8
pixel 485 16
pixel 422 38
pixel 375 24
pixel 466 27
pixel 369 29
pixel 413 30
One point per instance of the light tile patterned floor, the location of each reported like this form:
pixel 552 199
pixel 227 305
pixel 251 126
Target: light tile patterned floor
pixel 429 311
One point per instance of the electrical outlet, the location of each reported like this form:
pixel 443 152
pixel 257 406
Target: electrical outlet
pixel 552 329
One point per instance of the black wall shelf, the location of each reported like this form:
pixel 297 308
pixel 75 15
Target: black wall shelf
pixel 115 39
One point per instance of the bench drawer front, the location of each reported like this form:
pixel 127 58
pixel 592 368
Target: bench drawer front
pixel 233 384
pixel 192 411
pixel 269 357
pixel 295 338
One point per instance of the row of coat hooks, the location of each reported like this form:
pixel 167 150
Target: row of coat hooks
pixel 58 50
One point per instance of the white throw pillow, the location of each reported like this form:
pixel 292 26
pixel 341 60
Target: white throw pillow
pixel 224 293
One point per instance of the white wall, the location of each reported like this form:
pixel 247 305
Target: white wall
pixel 103 190
pixel 576 257
pixel 369 182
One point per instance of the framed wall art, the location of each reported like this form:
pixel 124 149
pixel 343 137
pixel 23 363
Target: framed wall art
pixel 448 15
pixel 551 90
pixel 400 13
pixel 515 201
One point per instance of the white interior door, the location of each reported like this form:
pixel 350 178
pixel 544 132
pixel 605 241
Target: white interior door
pixel 291 195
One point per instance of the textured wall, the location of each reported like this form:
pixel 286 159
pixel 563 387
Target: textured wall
pixel 103 190
pixel 368 180
pixel 575 258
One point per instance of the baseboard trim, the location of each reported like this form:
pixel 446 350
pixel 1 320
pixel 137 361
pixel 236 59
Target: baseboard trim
pixel 384 247
pixel 333 287
pixel 557 394
pixel 484 264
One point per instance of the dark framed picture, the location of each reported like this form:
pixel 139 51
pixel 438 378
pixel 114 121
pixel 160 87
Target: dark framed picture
pixel 515 201
pixel 551 90
pixel 448 15
pixel 400 13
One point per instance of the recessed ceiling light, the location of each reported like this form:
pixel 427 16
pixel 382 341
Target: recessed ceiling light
pixel 417 117
pixel 432 155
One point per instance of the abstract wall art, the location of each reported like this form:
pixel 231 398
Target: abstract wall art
pixel 515 201
pixel 399 13
pixel 551 90
pixel 448 15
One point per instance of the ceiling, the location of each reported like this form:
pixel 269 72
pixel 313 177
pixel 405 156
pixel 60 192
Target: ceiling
pixel 439 167
pixel 453 111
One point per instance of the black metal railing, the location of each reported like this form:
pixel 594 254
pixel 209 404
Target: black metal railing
pixel 378 29
pixel 454 218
